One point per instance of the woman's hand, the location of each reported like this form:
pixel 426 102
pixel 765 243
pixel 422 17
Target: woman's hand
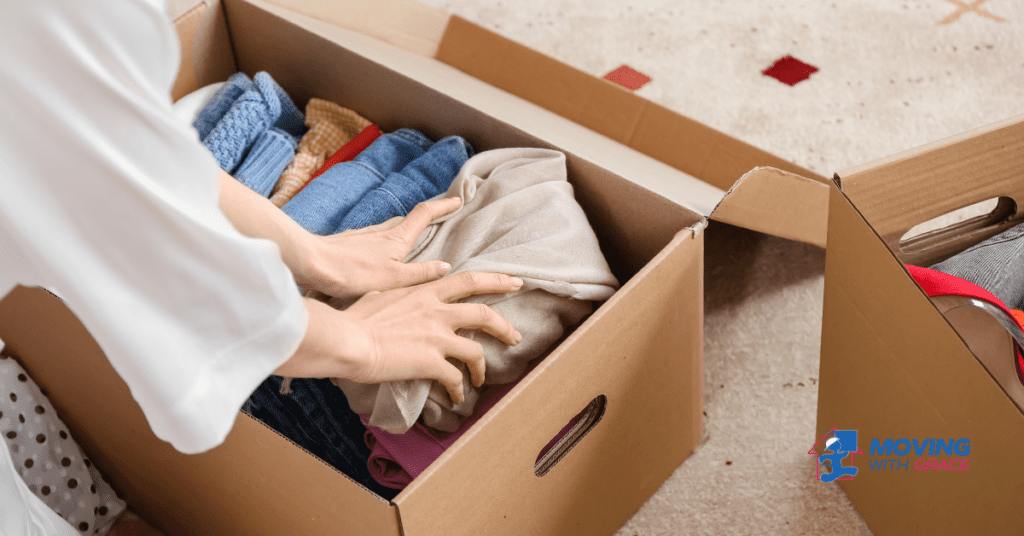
pixel 348 264
pixel 352 263
pixel 405 334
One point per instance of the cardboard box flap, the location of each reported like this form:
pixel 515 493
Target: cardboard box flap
pixel 778 203
pixel 906 189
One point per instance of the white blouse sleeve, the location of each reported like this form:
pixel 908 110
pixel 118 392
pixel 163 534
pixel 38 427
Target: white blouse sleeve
pixel 111 203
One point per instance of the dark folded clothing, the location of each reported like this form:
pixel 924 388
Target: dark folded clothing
pixel 316 416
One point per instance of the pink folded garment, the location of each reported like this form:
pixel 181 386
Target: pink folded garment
pixel 396 459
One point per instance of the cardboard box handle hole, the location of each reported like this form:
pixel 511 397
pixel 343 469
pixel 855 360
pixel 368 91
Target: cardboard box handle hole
pixel 570 435
pixel 952 225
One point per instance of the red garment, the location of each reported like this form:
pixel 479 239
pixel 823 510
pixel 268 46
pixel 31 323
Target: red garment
pixel 351 149
pixel 936 283
pixel 347 152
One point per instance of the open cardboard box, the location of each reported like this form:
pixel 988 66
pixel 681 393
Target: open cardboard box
pixel 640 353
pixel 892 366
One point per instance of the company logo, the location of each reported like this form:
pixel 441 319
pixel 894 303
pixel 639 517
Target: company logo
pixel 839 446
pixel 835 447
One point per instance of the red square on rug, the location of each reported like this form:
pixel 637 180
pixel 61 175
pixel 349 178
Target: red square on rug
pixel 628 78
pixel 790 70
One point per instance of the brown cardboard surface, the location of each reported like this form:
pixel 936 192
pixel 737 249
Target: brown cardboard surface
pixel 407 24
pixel 912 187
pixel 489 474
pixel 206 55
pixel 778 203
pixel 892 367
pixel 218 492
pixel 187 26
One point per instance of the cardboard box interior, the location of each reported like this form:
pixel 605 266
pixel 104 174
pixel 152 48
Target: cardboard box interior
pixel 891 364
pixel 641 350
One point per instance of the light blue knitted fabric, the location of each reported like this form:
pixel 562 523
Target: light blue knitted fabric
pixel 260 107
pixel 270 154
pixel 220 103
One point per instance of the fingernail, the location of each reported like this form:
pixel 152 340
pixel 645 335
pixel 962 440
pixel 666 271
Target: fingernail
pixel 519 337
pixel 516 282
pixel 445 268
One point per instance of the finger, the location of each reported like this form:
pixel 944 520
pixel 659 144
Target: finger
pixel 417 273
pixel 423 214
pixel 472 354
pixel 480 316
pixel 450 377
pixel 465 284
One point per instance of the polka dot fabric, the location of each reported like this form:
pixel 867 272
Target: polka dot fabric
pixel 48 458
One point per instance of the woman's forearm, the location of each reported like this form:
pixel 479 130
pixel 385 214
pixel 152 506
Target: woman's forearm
pixel 332 347
pixel 255 216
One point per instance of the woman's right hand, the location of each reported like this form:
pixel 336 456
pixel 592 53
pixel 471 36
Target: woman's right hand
pixel 405 334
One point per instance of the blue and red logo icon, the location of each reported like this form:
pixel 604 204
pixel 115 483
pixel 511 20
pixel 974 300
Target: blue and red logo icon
pixel 831 450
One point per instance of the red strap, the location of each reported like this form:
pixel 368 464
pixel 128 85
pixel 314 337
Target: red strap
pixel 347 152
pixel 936 283
pixel 351 149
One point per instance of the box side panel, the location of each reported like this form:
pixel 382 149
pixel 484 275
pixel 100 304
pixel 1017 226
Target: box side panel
pixel 642 350
pixel 206 55
pixel 606 108
pixel 891 367
pixel 634 224
pixel 903 190
pixel 255 483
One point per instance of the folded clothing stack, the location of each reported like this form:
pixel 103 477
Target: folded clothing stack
pixel 252 128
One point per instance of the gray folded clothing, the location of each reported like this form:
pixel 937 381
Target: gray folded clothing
pixel 996 265
pixel 518 217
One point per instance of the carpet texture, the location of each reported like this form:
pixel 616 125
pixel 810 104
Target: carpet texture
pixel 891 75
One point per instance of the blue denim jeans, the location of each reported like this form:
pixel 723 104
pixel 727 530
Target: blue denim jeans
pixel 316 416
pixel 388 179
pixel 240 112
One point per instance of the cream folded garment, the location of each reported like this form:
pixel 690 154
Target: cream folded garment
pixel 518 217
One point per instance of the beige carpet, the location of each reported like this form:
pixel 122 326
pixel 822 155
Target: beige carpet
pixel 892 75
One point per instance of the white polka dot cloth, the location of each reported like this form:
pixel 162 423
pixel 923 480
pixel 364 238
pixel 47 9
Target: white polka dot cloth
pixel 48 458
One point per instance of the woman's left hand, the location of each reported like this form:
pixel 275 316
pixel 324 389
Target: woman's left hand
pixel 354 262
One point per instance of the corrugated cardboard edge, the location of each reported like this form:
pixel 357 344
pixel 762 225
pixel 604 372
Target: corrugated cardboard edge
pixel 900 191
pixel 406 24
pixel 778 203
